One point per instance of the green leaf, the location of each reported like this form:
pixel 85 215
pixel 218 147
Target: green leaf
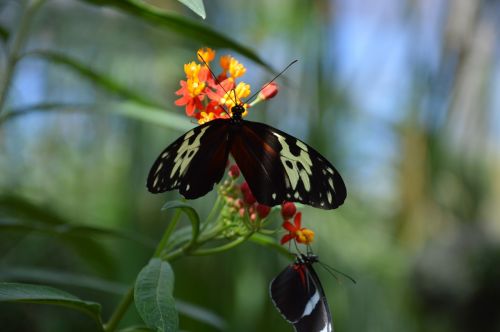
pixel 193 216
pixel 29 293
pixel 134 110
pixel 136 328
pixel 184 27
pixel 153 296
pixel 59 277
pixel 99 79
pixel 196 6
pixel 201 314
pixel 13 205
pixel 30 216
pixel 155 116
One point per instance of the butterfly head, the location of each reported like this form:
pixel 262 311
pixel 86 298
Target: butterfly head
pixel 237 112
pixel 307 259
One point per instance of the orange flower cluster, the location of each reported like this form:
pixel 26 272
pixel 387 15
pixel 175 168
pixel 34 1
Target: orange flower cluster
pixel 207 98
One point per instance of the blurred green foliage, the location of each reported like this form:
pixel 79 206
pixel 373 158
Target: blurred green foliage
pixel 402 96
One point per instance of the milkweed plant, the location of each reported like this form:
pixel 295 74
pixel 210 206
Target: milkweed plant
pixel 236 216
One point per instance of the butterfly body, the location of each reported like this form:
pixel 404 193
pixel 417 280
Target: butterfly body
pixel 278 167
pixel 298 295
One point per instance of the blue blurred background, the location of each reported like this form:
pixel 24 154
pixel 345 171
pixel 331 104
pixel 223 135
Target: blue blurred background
pixel 402 96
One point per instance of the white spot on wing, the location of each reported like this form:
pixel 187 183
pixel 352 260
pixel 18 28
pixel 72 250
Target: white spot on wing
pixel 159 168
pixel 311 304
pixel 273 195
pixel 327 328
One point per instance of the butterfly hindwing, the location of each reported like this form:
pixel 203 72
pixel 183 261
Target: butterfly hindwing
pixel 194 162
pixel 298 295
pixel 289 292
pixel 320 319
pixel 279 167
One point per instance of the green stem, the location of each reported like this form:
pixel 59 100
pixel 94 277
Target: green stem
pixel 270 242
pixel 168 232
pixel 212 212
pixel 15 49
pixel 128 297
pixel 225 247
pixel 120 311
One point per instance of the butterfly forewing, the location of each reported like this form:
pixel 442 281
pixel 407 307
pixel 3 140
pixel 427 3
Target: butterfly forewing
pixel 298 295
pixel 194 162
pixel 279 167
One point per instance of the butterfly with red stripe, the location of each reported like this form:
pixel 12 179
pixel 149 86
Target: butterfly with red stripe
pixel 298 295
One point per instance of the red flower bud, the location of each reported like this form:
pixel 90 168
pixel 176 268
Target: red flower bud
pixel 249 198
pixel 263 210
pixel 269 91
pixel 234 171
pixel 244 187
pixel 288 210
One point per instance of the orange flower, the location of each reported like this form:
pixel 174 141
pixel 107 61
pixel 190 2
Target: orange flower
pixel 220 91
pixel 224 62
pixel 206 53
pixel 297 232
pixel 192 102
pixel 212 111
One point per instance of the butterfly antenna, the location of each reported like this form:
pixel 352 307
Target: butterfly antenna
pixel 271 81
pixel 216 80
pixel 235 98
pixel 331 270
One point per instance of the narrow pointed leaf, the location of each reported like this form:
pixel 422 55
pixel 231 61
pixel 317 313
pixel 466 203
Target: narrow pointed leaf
pixel 82 69
pixel 182 26
pixel 29 293
pixel 196 6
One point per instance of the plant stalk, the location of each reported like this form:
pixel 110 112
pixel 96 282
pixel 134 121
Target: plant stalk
pixel 15 48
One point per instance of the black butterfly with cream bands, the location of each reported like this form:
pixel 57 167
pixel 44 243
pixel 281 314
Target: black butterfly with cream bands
pixel 278 167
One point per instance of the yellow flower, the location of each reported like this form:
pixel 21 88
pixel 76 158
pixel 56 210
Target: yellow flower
pixel 206 54
pixel 242 90
pixel 192 70
pixel 236 69
pixel 305 236
pixel 195 87
pixel 206 117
